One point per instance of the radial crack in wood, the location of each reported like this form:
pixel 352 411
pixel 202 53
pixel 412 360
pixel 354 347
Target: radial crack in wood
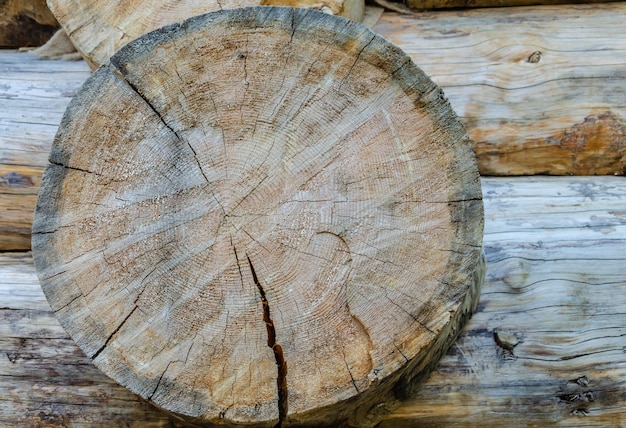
pixel 256 158
pixel 281 364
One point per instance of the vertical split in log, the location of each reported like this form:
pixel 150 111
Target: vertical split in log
pixel 281 364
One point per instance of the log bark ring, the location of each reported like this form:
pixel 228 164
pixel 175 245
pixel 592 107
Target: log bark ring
pixel 265 217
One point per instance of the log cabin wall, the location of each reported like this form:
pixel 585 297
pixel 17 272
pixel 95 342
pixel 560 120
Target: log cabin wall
pixel 457 4
pixel 541 90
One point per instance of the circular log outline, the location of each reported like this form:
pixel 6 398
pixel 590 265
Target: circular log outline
pixel 385 385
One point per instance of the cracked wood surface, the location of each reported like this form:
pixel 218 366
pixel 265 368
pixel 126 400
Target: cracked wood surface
pixel 33 94
pixel 98 29
pixel 578 129
pixel 544 348
pixel 273 231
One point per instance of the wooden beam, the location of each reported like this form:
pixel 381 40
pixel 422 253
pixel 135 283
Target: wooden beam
pixel 546 345
pixel 34 95
pixel 540 89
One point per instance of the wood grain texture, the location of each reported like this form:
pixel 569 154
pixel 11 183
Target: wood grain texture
pixel 257 189
pixel 45 379
pixel 561 115
pixel 98 29
pixel 541 90
pixel 33 95
pixel 545 347
pixel 547 344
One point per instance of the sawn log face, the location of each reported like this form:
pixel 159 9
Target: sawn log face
pixel 266 216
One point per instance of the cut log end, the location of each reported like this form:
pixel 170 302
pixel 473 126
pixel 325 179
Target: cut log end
pixel 262 217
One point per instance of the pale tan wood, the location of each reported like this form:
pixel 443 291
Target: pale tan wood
pixel 25 23
pixel 546 346
pixel 58 47
pixel 540 89
pixel 45 379
pixel 566 116
pixel 34 96
pixel 261 216
pixel 98 29
pixel 555 284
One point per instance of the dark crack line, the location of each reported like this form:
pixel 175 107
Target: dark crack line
pixel 86 171
pixel 113 334
pixel 356 59
pixel 350 372
pixel 159 381
pixel 237 259
pixel 414 317
pixel 68 303
pixel 281 380
pixel 121 74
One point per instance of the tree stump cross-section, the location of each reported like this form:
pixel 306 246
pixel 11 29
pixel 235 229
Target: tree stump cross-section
pixel 264 217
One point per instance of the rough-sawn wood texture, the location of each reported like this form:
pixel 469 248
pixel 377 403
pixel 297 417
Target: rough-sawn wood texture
pixel 456 4
pixel 98 29
pixel 263 216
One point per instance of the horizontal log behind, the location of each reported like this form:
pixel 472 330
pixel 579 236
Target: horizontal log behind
pixel 545 347
pixel 540 89
pixel 33 95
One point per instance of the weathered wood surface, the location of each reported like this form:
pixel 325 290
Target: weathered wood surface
pixel 25 23
pixel 98 29
pixel 278 188
pixel 541 90
pixel 33 98
pixel 554 296
pixel 562 115
pixel 58 47
pixel 547 346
